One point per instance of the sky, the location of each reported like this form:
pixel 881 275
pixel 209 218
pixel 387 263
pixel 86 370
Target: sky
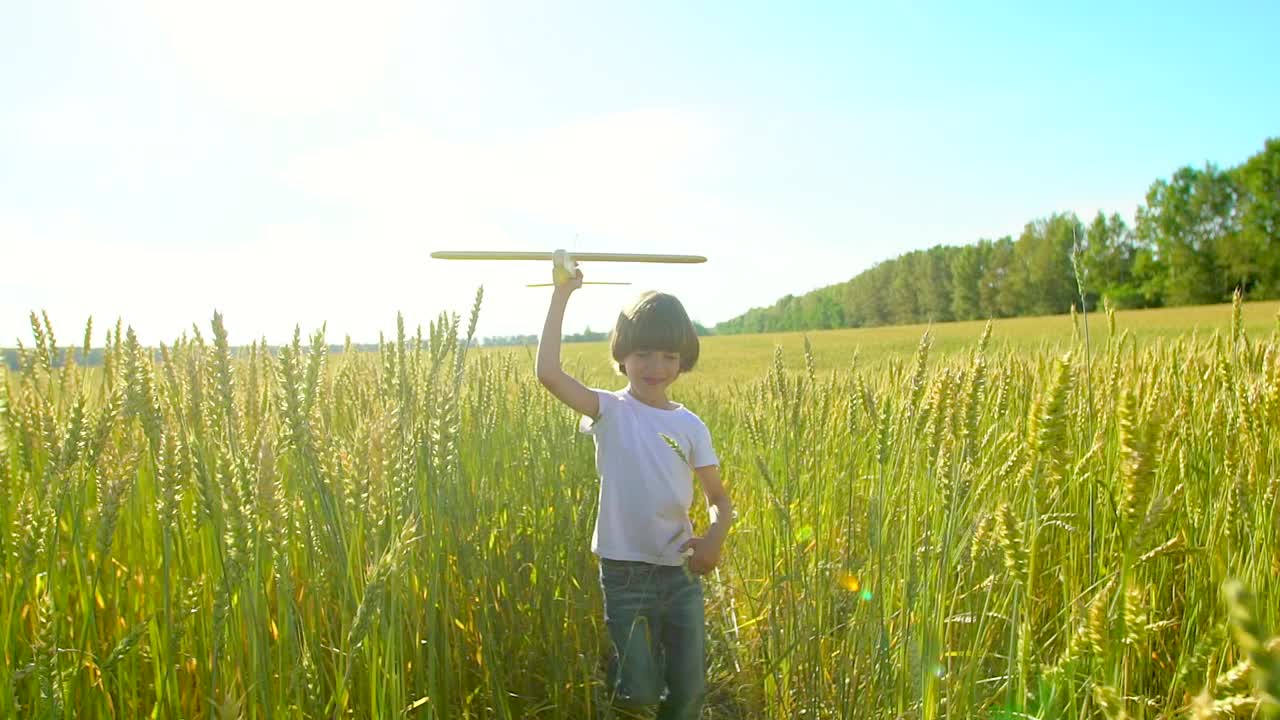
pixel 295 163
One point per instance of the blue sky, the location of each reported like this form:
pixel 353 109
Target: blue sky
pixel 295 163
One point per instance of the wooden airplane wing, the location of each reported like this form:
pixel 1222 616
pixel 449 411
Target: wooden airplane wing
pixel 577 257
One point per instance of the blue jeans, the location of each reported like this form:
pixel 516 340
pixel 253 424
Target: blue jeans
pixel 656 621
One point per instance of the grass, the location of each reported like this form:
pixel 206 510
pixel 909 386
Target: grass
pixel 953 526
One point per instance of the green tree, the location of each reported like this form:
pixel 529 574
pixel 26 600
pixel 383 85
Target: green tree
pixel 933 284
pixel 1189 220
pixel 821 311
pixel 1255 260
pixel 966 278
pixel 997 295
pixel 1108 258
pixel 1045 283
pixel 904 304
pixel 866 298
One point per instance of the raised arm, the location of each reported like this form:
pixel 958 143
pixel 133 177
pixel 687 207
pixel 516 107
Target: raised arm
pixel 564 386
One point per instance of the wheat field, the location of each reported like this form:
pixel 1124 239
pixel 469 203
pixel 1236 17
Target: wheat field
pixel 974 527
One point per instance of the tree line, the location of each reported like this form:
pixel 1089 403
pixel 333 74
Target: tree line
pixel 1199 235
pixel 587 335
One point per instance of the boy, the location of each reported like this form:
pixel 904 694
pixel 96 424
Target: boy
pixel 646 448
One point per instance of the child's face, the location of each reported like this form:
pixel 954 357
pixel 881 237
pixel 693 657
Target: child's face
pixel 652 369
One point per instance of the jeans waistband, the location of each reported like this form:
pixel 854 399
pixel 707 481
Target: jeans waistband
pixel 637 563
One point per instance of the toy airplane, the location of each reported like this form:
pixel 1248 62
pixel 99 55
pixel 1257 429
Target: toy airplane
pixel 564 264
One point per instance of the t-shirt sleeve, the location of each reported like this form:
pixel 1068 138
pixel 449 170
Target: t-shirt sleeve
pixel 608 404
pixel 703 452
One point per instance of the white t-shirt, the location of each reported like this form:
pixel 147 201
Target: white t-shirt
pixel 645 486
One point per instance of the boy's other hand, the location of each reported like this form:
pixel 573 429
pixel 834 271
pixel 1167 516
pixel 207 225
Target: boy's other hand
pixel 706 554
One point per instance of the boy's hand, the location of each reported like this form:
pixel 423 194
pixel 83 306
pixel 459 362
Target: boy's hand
pixel 706 554
pixel 565 282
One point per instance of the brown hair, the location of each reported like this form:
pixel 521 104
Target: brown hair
pixel 655 321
